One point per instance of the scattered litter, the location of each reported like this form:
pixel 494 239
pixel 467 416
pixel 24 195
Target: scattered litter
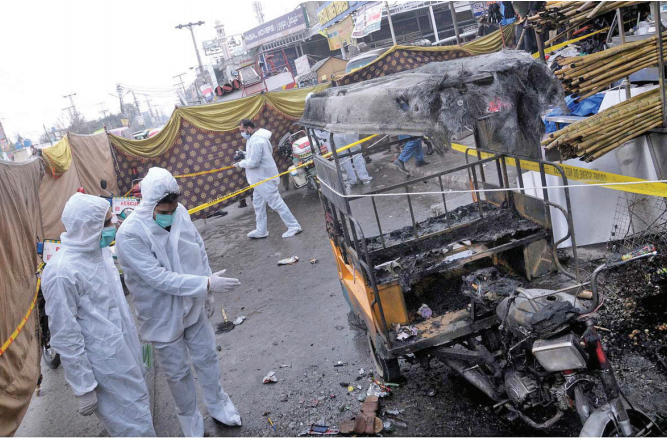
pixel 314 403
pixel 344 384
pixel 361 397
pixel 362 372
pixel 286 366
pixel 406 332
pixel 399 423
pixel 319 430
pixel 395 412
pixel 359 387
pixel 224 326
pixel 219 348
pixel 340 364
pixel 376 390
pixel 425 311
pixel 289 261
pixel 284 397
pixel 270 378
pixel 313 261
pixel 271 423
pixel 396 385
pixel 431 392
pixel 239 320
pixel 350 388
pixel 388 427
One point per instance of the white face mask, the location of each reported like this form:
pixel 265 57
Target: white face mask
pixel 245 135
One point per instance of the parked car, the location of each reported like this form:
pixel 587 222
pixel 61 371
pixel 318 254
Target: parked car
pixel 140 135
pixel 364 59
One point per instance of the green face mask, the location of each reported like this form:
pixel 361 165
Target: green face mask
pixel 164 220
pixel 108 236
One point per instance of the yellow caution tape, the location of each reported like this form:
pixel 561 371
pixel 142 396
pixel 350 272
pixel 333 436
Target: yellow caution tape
pixel 588 176
pixel 204 172
pixel 16 332
pixel 245 189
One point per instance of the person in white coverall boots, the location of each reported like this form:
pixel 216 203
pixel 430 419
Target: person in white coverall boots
pixel 91 324
pixel 260 165
pixel 167 272
pixel 355 165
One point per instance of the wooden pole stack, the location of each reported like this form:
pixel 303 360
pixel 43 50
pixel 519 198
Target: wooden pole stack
pixel 570 14
pixel 597 135
pixel 590 74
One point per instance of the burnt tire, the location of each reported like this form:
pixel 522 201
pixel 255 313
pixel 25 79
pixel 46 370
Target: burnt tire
pixel 387 369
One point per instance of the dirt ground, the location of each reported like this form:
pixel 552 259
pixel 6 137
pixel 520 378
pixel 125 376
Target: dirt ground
pixel 297 325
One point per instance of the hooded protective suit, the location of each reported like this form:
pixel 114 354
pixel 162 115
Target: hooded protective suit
pixel 91 324
pixel 259 165
pixel 167 275
pixel 354 163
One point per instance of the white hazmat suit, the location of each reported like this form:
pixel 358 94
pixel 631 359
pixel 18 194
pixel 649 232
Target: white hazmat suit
pixel 354 163
pixel 167 275
pixel 260 165
pixel 91 324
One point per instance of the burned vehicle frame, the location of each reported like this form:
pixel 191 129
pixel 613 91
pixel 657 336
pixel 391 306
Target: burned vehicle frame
pixel 530 349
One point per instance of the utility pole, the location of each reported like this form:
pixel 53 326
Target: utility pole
pixel 103 111
pixel 119 89
pixel 71 101
pixel 150 110
pixel 182 85
pixel 194 41
pixel 136 104
pixel 391 24
pixel 47 135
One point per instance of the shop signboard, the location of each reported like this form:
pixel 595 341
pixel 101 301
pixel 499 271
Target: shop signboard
pixel 478 8
pixel 331 13
pixel 368 20
pixel 302 65
pixel 340 34
pixel 281 27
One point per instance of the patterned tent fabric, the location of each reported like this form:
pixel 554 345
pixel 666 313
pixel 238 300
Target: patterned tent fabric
pixel 222 116
pixel 492 42
pixel 196 150
pixel 401 58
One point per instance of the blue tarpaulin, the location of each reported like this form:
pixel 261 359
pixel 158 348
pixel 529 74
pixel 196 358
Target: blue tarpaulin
pixel 586 107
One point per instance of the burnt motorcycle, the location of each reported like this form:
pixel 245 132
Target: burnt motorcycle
pixel 546 358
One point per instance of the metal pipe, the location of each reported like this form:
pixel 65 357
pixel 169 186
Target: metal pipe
pixel 435 26
pixel 452 10
pixel 539 426
pixel 472 375
pixel 540 46
pixel 391 24
pixel 477 193
pixel 444 200
pixel 377 218
pixel 655 6
pixel 412 213
pixel 621 33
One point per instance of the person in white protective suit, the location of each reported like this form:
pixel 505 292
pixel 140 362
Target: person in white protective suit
pixel 260 165
pixel 167 272
pixel 91 324
pixel 353 166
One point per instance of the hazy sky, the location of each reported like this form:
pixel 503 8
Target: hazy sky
pixel 50 48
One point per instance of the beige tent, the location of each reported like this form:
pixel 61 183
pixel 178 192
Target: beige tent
pixel 19 349
pixel 90 162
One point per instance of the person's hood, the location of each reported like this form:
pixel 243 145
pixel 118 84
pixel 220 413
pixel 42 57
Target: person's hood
pixel 84 217
pixel 264 133
pixel 157 184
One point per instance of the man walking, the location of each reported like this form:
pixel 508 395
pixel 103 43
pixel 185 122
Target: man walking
pixel 167 272
pixel 412 148
pixel 260 165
